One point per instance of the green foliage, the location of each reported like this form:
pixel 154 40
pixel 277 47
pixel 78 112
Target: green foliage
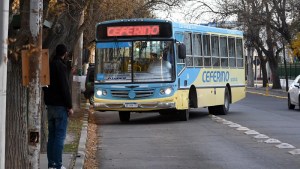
pixel 296 45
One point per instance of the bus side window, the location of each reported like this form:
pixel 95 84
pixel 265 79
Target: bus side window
pixel 239 53
pixel 223 51
pixel 231 48
pixel 188 43
pixel 215 50
pixel 206 50
pixel 197 50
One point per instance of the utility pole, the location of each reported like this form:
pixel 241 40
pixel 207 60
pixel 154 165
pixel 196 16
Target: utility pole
pixel 4 5
pixel 34 103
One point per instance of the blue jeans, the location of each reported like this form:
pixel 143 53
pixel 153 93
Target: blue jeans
pixel 57 129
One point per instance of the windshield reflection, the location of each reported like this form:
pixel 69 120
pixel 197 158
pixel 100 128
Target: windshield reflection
pixel 138 61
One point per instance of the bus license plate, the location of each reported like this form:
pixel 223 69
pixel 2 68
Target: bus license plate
pixel 131 105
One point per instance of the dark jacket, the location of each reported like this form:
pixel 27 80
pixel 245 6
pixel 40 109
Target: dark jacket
pixel 58 93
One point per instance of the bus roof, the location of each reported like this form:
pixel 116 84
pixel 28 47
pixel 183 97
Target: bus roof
pixel 133 20
pixel 180 27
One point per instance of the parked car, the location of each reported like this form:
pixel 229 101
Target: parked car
pixel 294 93
pixel 89 84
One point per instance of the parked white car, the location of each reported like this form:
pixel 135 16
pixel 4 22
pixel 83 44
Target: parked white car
pixel 294 93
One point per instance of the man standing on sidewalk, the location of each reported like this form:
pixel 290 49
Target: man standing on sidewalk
pixel 59 106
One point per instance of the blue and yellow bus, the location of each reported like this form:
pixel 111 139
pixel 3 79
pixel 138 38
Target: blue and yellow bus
pixel 152 65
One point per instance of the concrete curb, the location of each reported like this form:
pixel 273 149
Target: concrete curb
pixel 80 157
pixel 279 93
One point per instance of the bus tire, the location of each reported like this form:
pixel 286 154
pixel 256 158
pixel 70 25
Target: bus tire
pixel 91 99
pixel 124 116
pixel 212 110
pixel 224 109
pixel 290 105
pixel 165 112
pixel 184 115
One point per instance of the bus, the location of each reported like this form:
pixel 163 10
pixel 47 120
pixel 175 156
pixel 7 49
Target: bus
pixel 154 65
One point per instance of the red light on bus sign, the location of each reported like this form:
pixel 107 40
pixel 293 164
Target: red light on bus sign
pixel 142 30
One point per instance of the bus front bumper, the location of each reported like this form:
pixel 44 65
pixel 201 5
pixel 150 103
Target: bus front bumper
pixel 135 106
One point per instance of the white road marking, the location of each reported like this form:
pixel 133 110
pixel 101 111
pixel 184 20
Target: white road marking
pixel 258 135
pixel 242 129
pixel 234 125
pixel 295 152
pixel 252 132
pixel 261 136
pixel 227 122
pixel 285 145
pixel 272 141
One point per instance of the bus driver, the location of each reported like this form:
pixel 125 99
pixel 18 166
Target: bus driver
pixel 159 66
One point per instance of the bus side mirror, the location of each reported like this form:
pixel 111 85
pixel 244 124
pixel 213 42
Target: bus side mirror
pixel 181 51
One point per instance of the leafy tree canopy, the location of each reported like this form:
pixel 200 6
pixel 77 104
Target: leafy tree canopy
pixel 296 45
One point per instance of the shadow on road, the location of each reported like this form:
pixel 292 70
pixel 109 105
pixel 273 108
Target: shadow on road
pixel 112 118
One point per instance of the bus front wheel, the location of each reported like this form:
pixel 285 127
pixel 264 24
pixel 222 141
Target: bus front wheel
pixel 124 116
pixel 184 115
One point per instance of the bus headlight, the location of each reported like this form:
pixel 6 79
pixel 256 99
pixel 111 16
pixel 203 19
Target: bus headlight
pixel 166 91
pixel 100 92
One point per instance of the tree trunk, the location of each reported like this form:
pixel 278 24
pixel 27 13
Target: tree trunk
pixel 274 68
pixel 263 63
pixel 16 156
pixel 264 72
pixel 250 78
pixel 34 100
pixel 270 52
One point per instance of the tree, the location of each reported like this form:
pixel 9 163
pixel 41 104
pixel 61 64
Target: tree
pixel 16 127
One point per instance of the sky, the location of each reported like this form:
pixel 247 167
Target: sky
pixel 180 14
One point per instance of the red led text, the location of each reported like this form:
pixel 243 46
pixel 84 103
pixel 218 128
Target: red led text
pixel 133 30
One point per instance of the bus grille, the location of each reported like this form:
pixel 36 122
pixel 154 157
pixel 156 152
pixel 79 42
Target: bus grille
pixel 138 93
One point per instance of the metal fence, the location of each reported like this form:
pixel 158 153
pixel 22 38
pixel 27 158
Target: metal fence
pixel 292 69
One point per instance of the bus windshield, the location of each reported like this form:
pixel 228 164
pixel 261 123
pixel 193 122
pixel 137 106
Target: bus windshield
pixel 135 61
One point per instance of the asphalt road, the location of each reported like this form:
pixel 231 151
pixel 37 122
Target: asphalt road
pixel 151 141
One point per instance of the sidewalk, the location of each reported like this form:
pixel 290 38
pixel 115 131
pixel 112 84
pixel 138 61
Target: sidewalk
pixel 282 93
pixel 70 160
pixel 67 160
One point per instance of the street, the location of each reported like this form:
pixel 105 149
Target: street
pixel 209 142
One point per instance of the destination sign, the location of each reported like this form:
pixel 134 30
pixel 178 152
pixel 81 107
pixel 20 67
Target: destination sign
pixel 141 30
pixel 124 30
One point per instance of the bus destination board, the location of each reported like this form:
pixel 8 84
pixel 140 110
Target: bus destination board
pixel 141 30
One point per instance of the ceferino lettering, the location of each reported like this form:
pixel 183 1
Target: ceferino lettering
pixel 132 30
pixel 215 76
